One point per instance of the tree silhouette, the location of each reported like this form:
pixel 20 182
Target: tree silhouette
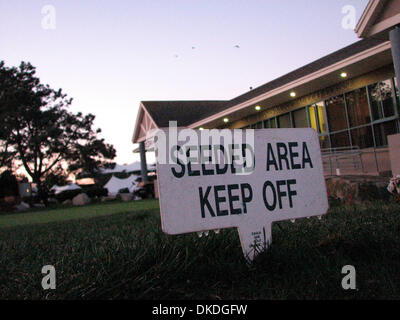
pixel 40 133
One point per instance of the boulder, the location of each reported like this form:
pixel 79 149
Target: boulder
pixel 67 202
pixel 80 200
pixel 22 206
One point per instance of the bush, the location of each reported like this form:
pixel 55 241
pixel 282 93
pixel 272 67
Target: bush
pixel 5 206
pixel 8 185
pixel 334 201
pixel 95 191
pixel 124 190
pixel 67 195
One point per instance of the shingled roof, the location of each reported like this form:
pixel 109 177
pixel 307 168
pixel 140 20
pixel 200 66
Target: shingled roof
pixel 321 63
pixel 184 112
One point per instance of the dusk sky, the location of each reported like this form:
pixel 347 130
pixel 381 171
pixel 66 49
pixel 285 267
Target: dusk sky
pixel 110 55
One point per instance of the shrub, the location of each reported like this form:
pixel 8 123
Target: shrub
pixel 8 185
pixel 95 191
pixel 394 188
pixel 67 195
pixel 124 190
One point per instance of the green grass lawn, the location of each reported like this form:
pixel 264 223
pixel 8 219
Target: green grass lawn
pixel 118 251
pixel 70 213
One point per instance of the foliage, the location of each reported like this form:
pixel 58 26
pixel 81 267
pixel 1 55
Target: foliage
pixel 334 201
pixel 94 191
pixel 394 188
pixel 40 132
pixel 57 176
pixel 8 184
pixel 394 185
pixel 124 190
pixel 67 195
pixel 6 152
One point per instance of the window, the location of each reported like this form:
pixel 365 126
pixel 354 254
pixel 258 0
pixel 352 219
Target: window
pixel 357 107
pixel 270 123
pixel 300 118
pixel 312 113
pixel 350 119
pixel 336 110
pixel 340 139
pixel 285 121
pixel 382 130
pixel 323 124
pixel 397 94
pixel 362 137
pixel 324 141
pixel 381 99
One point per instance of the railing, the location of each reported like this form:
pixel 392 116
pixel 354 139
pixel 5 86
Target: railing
pixel 353 160
pixel 344 158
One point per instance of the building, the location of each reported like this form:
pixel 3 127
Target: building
pixel 350 97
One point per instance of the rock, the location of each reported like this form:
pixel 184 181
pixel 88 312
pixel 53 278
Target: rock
pixel 67 202
pixel 22 206
pixel 126 197
pixel 80 200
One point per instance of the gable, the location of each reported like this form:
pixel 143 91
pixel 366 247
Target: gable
pixel 144 124
pixel 379 17
pixel 391 8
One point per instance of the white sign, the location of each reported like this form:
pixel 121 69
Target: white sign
pixel 249 185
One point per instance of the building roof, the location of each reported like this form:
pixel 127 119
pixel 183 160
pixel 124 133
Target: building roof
pixel 321 63
pixel 184 112
pixel 58 189
pixel 127 168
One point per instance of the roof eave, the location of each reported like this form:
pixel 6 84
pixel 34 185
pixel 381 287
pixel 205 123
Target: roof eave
pixel 294 85
pixel 368 17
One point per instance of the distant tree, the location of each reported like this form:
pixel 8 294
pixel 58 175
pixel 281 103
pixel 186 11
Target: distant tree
pixel 57 176
pixel 6 151
pixel 8 184
pixel 41 132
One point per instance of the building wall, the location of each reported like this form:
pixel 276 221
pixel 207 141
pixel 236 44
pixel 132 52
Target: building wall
pixel 355 117
pixel 348 85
